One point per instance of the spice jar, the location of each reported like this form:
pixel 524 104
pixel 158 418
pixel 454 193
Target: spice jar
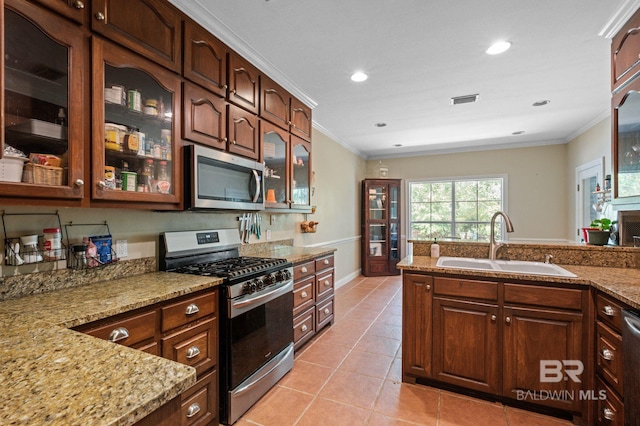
pixel 52 243
pixel 79 256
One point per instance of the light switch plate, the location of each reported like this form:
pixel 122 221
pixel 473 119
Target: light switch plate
pixel 121 248
pixel 268 234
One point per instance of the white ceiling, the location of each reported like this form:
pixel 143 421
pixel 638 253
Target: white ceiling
pixel 419 54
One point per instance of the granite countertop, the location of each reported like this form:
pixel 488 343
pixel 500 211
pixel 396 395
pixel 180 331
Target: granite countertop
pixel 291 253
pixel 56 376
pixel 621 283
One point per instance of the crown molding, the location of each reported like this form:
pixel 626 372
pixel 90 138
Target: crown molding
pixel 619 17
pixel 203 16
pixel 337 140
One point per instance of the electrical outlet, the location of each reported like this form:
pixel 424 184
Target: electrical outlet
pixel 268 234
pixel 121 248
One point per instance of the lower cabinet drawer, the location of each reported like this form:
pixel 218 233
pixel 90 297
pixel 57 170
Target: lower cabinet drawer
pixel 303 295
pixel 609 411
pixel 324 313
pixel 304 327
pixel 188 310
pixel 324 285
pixel 152 348
pixel 196 346
pixel 200 402
pixel 127 331
pixel 609 356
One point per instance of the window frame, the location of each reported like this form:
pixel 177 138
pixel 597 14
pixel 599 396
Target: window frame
pixel 409 182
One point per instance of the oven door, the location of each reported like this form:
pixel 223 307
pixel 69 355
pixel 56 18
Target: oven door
pixel 218 180
pixel 260 327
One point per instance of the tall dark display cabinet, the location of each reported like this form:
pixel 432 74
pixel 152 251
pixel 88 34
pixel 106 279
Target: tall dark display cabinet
pixel 380 227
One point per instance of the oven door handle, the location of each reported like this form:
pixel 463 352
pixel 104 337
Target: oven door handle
pixel 256 178
pixel 248 386
pixel 261 299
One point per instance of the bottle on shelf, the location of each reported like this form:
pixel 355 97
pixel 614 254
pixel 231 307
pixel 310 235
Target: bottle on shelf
pixel 146 176
pixel 61 120
pixel 163 180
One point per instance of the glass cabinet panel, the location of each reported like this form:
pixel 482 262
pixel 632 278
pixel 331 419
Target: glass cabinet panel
pixel 301 185
pixel 275 146
pixel 42 128
pixel 394 252
pixel 628 146
pixel 135 111
pixel 377 239
pixel 378 203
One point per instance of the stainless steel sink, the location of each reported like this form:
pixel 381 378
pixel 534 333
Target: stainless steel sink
pixel 513 266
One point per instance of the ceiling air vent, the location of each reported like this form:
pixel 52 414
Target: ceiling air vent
pixel 467 99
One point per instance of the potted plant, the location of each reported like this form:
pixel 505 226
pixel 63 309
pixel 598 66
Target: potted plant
pixel 600 232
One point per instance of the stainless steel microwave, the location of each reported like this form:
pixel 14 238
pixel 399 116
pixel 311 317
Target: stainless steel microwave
pixel 218 180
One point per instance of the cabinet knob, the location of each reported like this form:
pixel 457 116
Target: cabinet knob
pixel 304 327
pixel 225 87
pixel 100 16
pixel 304 269
pixel 193 410
pixel 234 91
pixel 606 354
pixel 225 140
pixel 118 334
pixel 608 413
pixel 193 352
pixel 608 311
pixel 102 185
pixel 192 309
pixel 326 261
pixel 326 311
pixel 78 4
pixel 304 294
pixel 494 318
pixel 427 287
pixel 78 183
pixel 233 142
pixel 327 283
pixel 507 320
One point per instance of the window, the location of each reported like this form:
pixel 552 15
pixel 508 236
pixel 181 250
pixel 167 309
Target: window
pixel 460 208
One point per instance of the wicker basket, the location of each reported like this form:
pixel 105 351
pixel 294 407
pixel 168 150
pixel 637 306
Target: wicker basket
pixel 43 175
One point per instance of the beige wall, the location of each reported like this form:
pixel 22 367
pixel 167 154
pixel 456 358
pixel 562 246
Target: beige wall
pixel 338 172
pixel 536 189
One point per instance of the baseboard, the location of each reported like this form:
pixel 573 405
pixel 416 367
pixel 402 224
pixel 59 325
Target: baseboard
pixel 346 279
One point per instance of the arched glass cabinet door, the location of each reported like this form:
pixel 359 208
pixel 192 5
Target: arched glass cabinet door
pixel 301 166
pixel 627 145
pixel 275 145
pixel 42 77
pixel 135 111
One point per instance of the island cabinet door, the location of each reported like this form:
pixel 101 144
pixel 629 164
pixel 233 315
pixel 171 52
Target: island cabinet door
pixel 543 356
pixel 465 344
pixel 416 326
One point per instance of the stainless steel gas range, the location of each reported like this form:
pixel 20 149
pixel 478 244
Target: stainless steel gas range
pixel 256 312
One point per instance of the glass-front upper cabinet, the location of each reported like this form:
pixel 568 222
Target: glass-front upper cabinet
pixel 301 165
pixel 135 157
pixel 626 143
pixel 42 77
pixel 275 145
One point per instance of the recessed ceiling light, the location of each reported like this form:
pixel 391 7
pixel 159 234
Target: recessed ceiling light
pixel 518 132
pixel 542 103
pixel 397 145
pixel 380 124
pixel 498 47
pixel 359 76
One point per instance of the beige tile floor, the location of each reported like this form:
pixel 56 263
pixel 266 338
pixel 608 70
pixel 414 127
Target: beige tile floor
pixel 350 374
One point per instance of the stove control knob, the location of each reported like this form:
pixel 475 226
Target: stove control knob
pixel 286 274
pixel 270 279
pixel 248 289
pixel 257 284
pixel 279 277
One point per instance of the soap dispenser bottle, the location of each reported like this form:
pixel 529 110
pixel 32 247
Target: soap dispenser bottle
pixel 435 249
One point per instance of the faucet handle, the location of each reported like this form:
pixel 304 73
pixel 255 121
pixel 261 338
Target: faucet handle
pixel 548 258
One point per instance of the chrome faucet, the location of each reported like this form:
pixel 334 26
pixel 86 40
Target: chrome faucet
pixel 493 244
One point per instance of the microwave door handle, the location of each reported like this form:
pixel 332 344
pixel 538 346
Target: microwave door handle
pixel 256 177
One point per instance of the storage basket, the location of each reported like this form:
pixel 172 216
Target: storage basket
pixel 43 175
pixel 11 168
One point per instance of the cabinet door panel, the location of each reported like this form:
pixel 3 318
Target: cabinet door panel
pixel 72 9
pixel 149 27
pixel 205 59
pixel 274 103
pixel 533 335
pixel 301 165
pixel 275 151
pixel 465 344
pixel 301 121
pixel 243 133
pixel 625 48
pixel 205 117
pixel 244 83
pixel 416 325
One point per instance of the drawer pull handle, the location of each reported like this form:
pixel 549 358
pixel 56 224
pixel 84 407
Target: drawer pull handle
pixel 304 270
pixel 326 261
pixel 507 320
pixel 608 311
pixel 118 334
pixel 193 410
pixel 326 311
pixel 327 283
pixel 304 294
pixel 193 352
pixel 608 413
pixel 192 309
pixel 304 327
pixel 606 354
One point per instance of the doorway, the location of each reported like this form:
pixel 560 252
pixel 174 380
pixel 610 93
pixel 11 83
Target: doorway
pixel 587 207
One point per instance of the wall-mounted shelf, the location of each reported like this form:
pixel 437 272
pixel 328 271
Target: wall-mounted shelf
pixel 17 254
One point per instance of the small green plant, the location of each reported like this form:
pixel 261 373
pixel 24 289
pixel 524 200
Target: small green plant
pixel 603 224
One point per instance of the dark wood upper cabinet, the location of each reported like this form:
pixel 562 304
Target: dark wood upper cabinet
pixel 149 27
pixel 205 59
pixel 625 52
pixel 243 133
pixel 72 9
pixel 301 121
pixel 244 83
pixel 205 117
pixel 274 103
